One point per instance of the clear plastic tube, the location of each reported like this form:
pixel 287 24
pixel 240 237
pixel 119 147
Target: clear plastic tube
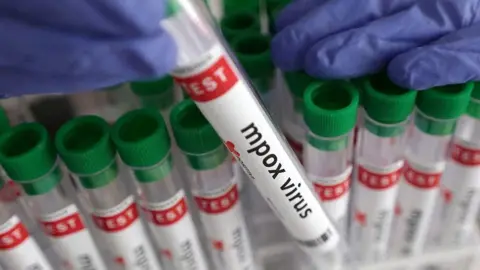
pixel 214 189
pixel 18 249
pixel 425 159
pixel 205 69
pixel 85 147
pixel 163 198
pixel 460 200
pixel 378 163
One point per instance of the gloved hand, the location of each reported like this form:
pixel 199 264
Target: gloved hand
pixel 422 43
pixel 65 46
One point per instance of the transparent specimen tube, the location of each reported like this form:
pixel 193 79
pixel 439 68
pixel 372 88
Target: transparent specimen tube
pixel 18 249
pixel 214 188
pixel 84 145
pixel 330 113
pixel 206 70
pixel 461 179
pixel 30 160
pixel 379 160
pixel 144 145
pixel 436 114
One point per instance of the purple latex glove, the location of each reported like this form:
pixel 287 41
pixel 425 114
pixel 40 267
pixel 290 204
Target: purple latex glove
pixel 65 46
pixel 423 43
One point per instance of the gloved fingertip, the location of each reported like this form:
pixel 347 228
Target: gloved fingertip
pixel 281 50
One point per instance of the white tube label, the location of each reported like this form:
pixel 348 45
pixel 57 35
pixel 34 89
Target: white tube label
pixel 373 210
pixel 334 192
pixel 123 232
pixel 416 200
pixel 18 250
pixel 460 198
pixel 174 230
pixel 222 217
pixel 71 240
pixel 215 85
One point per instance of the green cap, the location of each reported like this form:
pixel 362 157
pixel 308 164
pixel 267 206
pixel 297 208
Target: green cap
pixel 445 102
pixel 234 6
pixel 253 52
pixel 141 138
pixel 155 94
pixel 239 22
pixel 474 104
pixel 28 156
pixel 386 102
pixel 195 136
pixel 84 145
pixel 274 7
pixel 297 83
pixel 330 108
pixel 441 106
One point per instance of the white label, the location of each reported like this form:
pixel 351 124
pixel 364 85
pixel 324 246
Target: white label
pixel 71 240
pixel 415 205
pixel 227 102
pixel 123 232
pixel 174 230
pixel 460 191
pixel 373 210
pixel 333 192
pixel 222 217
pixel 19 251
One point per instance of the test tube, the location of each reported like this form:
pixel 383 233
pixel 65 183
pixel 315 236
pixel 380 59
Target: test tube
pixel 461 179
pixel 207 72
pixel 30 159
pixel 214 188
pixel 144 145
pixel 18 249
pixel 84 145
pixel 293 124
pixel 330 114
pixel 240 22
pixel 379 161
pixel 253 53
pixel 436 114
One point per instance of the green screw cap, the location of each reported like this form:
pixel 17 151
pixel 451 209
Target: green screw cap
pixel 298 82
pixel 153 87
pixel 28 156
pixel 445 102
pixel 474 105
pixel 141 138
pixel 84 145
pixel 330 108
pixel 193 133
pixel 239 22
pixel 234 6
pixel 385 102
pixel 253 52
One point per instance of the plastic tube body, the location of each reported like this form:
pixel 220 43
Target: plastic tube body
pixel 115 214
pixel 206 71
pixel 293 124
pixel 379 160
pixel 18 250
pixel 216 195
pixel 62 223
pixel 165 205
pixel 425 159
pixel 327 162
pixel 460 200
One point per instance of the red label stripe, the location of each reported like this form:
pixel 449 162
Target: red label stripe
pixel 378 181
pixel 465 156
pixel 117 222
pixel 211 83
pixel 219 204
pixel 64 226
pixel 167 216
pixel 13 237
pixel 332 192
pixel 420 179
